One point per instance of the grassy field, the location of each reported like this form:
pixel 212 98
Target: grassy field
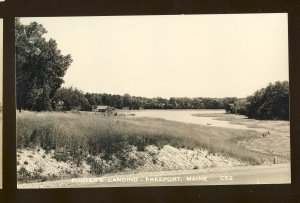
pixel 77 137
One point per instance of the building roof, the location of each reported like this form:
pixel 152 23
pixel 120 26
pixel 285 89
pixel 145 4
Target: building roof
pixel 101 107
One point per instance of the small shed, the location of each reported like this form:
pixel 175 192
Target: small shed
pixel 100 108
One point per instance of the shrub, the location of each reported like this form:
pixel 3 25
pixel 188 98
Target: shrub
pixel 23 175
pixel 61 156
pixel 97 165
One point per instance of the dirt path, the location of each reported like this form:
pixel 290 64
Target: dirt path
pixel 272 174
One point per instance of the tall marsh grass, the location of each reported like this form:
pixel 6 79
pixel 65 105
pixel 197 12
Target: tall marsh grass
pixel 78 136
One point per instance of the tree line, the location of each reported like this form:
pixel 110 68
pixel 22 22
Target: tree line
pixel 271 102
pixel 74 99
pixel 40 68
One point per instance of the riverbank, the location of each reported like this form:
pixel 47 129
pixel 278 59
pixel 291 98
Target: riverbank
pixel 83 145
pixel 40 166
pixel 274 134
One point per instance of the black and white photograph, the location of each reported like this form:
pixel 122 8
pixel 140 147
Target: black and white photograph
pixel 152 100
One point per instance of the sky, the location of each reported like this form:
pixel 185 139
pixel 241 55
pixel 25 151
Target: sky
pixel 222 55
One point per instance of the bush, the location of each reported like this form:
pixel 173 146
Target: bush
pixel 97 165
pixel 24 176
pixel 64 156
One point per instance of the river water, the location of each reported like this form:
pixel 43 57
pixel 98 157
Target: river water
pixel 187 116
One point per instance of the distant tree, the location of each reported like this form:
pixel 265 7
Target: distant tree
pixel 240 106
pixel 98 98
pixel 271 102
pixel 197 103
pixel 117 101
pixel 228 104
pixel 172 102
pixel 127 101
pixel 40 67
pixel 92 99
pixel 73 99
pixel 106 99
